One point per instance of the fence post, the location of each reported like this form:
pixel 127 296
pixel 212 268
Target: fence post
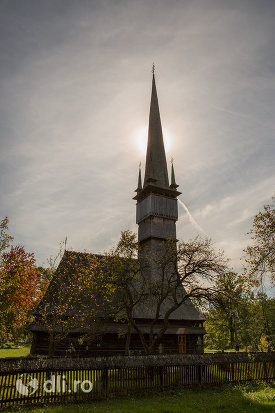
pixel 105 381
pixel 232 373
pixel 161 377
pixel 199 373
pixel 265 372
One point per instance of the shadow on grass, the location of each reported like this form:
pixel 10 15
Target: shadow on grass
pixel 253 398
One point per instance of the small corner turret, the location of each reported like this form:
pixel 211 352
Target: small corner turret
pixel 139 187
pixel 173 180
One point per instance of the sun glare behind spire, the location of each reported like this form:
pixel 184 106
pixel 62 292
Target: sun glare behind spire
pixel 143 136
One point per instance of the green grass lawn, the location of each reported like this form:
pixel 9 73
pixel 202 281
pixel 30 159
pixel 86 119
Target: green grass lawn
pixel 257 398
pixel 14 352
pixel 212 350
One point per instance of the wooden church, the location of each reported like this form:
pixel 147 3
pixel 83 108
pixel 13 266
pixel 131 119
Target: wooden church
pixel 156 216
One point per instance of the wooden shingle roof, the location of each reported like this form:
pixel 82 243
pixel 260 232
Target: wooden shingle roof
pixel 74 268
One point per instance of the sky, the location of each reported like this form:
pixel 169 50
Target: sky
pixel 75 85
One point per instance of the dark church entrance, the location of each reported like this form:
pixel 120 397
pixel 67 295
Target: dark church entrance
pixel 182 343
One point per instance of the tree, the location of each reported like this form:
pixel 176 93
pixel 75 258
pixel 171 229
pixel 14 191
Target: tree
pixel 5 238
pixel 163 282
pixel 126 280
pixel 267 317
pixel 260 260
pixel 270 318
pixel 225 311
pixel 261 254
pixel 19 289
pixel 235 317
pixel 256 327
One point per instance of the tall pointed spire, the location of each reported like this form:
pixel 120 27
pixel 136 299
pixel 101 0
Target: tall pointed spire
pixel 156 166
pixel 173 180
pixel 139 187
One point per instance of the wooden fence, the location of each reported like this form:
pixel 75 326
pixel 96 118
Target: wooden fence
pixel 86 380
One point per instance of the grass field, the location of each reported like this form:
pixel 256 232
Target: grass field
pixel 14 352
pixel 257 398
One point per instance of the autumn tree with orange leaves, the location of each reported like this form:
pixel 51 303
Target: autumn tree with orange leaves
pixel 19 285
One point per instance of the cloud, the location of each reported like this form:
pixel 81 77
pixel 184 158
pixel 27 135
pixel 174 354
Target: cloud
pixel 75 90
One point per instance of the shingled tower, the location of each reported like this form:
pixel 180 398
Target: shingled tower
pixel 156 216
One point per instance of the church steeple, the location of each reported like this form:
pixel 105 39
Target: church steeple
pixel 156 166
pixel 156 174
pixel 157 209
